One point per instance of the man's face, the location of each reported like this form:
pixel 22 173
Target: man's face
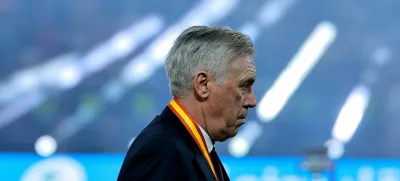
pixel 228 102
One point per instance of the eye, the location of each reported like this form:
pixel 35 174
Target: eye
pixel 246 87
pixel 248 83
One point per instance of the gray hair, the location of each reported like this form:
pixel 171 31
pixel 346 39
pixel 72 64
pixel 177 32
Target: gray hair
pixel 210 49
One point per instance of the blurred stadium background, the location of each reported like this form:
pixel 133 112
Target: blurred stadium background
pixel 80 78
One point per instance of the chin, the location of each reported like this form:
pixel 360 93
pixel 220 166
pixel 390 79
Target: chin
pixel 232 134
pixel 226 134
pixel 223 138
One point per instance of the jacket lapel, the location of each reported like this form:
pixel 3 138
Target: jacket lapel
pixel 224 174
pixel 204 167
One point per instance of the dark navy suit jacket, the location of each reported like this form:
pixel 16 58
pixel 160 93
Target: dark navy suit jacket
pixel 165 151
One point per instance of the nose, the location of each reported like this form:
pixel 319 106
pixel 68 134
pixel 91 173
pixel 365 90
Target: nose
pixel 251 100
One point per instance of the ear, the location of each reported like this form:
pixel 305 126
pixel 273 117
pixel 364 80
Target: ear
pixel 202 84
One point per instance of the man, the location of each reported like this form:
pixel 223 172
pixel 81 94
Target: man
pixel 211 75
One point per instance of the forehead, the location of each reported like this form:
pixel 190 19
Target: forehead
pixel 243 66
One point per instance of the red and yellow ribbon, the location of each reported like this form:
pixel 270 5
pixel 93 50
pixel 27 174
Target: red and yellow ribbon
pixel 194 130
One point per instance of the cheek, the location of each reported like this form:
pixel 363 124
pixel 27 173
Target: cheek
pixel 239 98
pixel 236 106
pixel 236 100
pixel 229 103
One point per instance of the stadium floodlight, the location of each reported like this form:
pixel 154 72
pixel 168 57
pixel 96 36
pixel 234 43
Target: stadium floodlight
pixel 297 70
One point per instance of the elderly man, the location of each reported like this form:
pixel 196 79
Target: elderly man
pixel 211 75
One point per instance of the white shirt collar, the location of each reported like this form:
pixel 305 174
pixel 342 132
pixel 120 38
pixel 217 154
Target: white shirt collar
pixel 207 139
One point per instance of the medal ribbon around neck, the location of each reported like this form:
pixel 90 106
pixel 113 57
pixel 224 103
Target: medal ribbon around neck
pixel 194 130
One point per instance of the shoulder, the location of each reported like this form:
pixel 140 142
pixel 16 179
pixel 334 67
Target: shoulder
pixel 152 149
pixel 163 128
pixel 158 137
pixel 164 135
pixel 160 143
pixel 151 159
